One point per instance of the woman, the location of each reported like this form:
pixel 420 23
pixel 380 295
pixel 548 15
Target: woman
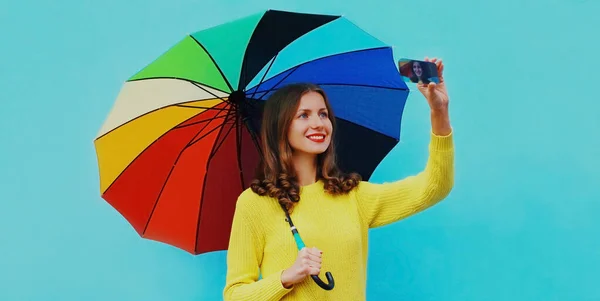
pixel 333 211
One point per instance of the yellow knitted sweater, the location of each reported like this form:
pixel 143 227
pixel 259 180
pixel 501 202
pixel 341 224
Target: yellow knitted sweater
pixel 262 246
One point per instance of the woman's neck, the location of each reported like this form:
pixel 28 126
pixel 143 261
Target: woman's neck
pixel 306 169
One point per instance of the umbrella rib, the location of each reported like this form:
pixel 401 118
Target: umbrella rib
pixel 167 179
pixel 222 141
pixel 341 84
pixel 202 121
pixel 238 145
pixel 244 69
pixel 198 107
pixel 178 78
pixel 173 167
pixel 362 85
pixel 204 186
pixel 207 133
pixel 158 109
pixel 336 84
pixel 205 90
pixel 265 75
pixel 279 82
pixel 214 62
pixel 326 57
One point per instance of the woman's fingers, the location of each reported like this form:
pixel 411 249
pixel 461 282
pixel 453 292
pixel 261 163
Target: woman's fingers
pixel 314 271
pixel 311 260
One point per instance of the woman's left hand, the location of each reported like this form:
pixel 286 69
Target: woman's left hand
pixel 436 94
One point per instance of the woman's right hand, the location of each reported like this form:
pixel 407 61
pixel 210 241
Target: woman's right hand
pixel 307 263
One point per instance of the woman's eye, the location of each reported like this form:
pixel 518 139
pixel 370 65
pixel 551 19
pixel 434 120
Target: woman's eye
pixel 324 115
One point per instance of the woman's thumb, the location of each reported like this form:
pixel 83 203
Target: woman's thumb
pixel 431 87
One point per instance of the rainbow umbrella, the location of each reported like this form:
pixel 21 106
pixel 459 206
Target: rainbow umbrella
pixel 179 144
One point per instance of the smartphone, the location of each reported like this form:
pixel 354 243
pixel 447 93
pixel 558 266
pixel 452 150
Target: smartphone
pixel 416 71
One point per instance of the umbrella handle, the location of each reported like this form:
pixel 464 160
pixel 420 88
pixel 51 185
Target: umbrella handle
pixel 326 286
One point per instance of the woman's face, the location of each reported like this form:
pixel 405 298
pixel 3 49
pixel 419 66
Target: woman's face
pixel 417 69
pixel 310 130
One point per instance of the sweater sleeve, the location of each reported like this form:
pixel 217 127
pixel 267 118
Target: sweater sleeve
pixel 244 256
pixel 382 204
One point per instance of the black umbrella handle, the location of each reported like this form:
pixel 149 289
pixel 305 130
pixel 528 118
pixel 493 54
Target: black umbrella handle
pixel 326 286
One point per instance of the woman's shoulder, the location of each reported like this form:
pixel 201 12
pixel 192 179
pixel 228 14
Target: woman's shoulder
pixel 249 200
pixel 363 185
pixel 366 188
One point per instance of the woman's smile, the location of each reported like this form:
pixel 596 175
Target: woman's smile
pixel 319 138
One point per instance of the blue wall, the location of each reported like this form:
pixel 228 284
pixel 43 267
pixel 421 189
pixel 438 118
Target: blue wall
pixel 521 223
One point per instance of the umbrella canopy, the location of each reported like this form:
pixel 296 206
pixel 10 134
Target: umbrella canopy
pixel 178 146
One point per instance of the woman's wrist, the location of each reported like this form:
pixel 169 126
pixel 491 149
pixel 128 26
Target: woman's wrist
pixel 284 280
pixel 440 122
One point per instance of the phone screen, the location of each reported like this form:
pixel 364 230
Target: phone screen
pixel 415 71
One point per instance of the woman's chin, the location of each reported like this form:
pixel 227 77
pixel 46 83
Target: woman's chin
pixel 314 150
pixel 318 151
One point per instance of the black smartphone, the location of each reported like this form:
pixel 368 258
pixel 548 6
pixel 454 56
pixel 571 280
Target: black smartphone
pixel 416 71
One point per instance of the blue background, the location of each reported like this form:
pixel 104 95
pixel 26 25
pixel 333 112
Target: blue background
pixel 521 224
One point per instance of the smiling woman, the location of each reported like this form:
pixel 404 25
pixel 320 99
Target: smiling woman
pixel 304 110
pixel 333 209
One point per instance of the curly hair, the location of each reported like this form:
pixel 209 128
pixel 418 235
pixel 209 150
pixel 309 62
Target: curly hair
pixel 276 175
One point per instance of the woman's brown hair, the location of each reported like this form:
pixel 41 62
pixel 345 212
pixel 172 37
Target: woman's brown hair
pixel 276 175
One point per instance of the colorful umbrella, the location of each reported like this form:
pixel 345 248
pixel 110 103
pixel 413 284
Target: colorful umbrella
pixel 178 147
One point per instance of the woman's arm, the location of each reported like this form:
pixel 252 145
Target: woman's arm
pixel 381 204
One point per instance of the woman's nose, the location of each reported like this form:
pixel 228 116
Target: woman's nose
pixel 316 122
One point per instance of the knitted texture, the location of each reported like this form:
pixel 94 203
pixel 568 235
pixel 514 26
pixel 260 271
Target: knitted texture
pixel 261 246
